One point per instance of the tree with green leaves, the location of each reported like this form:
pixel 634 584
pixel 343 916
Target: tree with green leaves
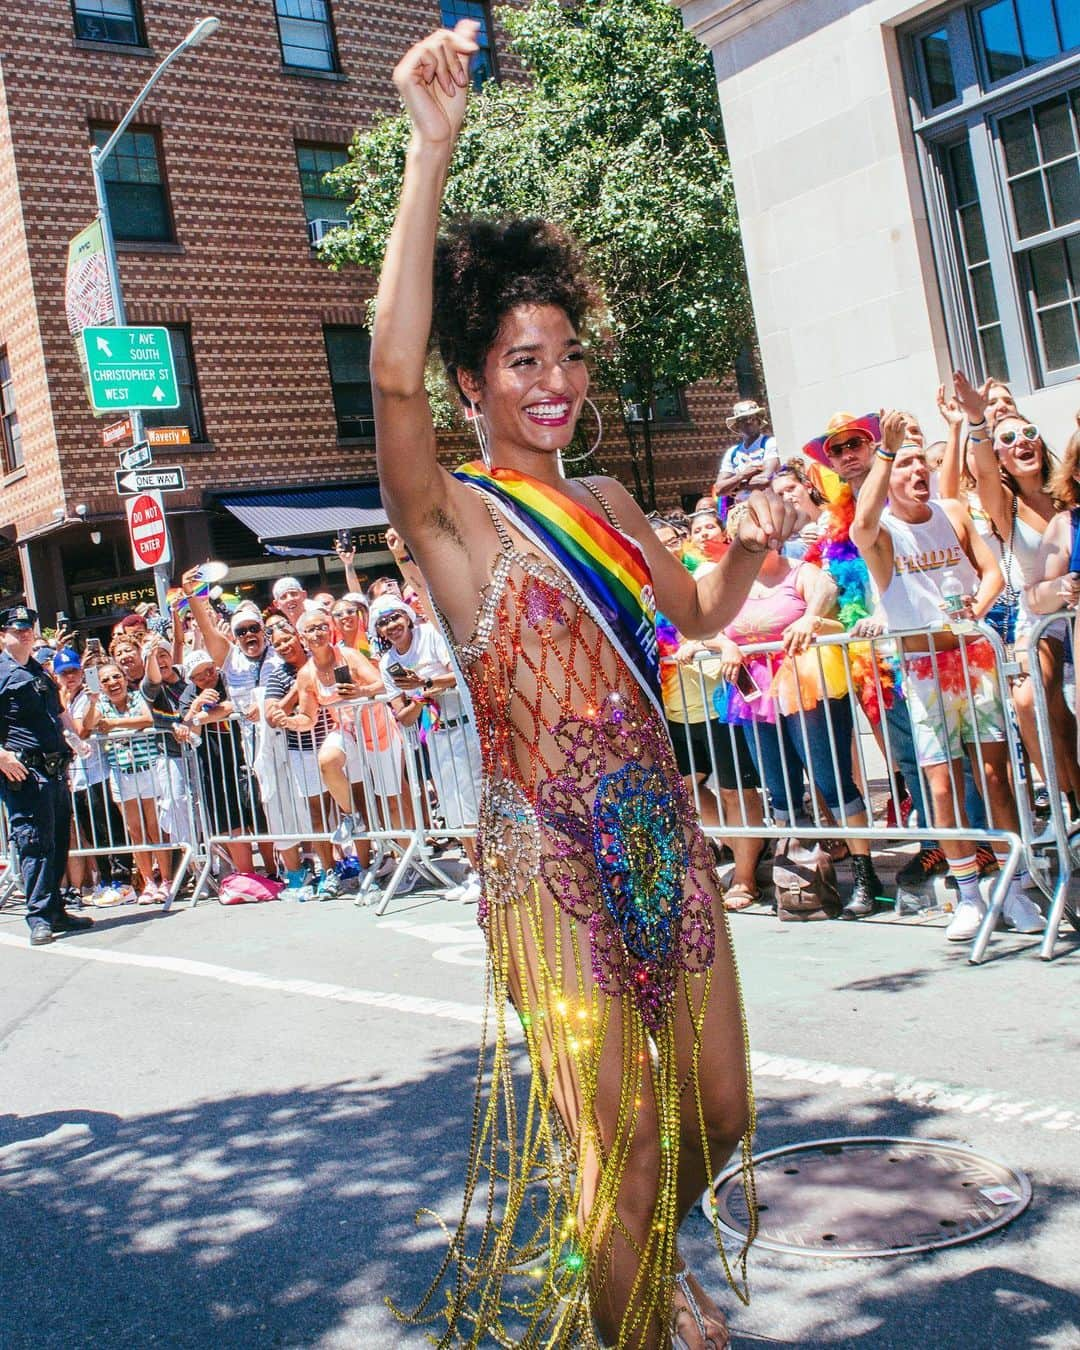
pixel 616 135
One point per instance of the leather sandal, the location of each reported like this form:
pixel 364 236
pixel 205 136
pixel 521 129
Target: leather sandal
pixel 740 896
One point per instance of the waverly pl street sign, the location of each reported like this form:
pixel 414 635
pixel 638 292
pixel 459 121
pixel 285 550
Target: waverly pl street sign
pixel 130 368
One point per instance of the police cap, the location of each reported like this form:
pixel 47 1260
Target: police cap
pixel 18 616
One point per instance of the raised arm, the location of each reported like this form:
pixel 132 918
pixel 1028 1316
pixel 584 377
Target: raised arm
pixel 214 641
pixel 995 497
pixel 873 542
pixel 699 609
pixel 432 79
pixel 991 580
pixel 951 470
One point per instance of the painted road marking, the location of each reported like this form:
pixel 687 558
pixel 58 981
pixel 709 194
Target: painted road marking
pixel 946 1098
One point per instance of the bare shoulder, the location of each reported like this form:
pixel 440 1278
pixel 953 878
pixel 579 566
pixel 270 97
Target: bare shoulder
pixel 957 511
pixel 627 512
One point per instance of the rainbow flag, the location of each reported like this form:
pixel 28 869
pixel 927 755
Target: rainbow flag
pixel 606 566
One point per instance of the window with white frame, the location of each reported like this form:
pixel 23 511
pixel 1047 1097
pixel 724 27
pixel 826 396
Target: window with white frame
pixel 995 95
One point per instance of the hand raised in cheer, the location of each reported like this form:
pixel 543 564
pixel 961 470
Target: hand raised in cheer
pixel 433 81
pixel 767 522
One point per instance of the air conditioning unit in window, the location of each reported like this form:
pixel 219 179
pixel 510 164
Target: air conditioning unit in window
pixel 319 229
pixel 635 412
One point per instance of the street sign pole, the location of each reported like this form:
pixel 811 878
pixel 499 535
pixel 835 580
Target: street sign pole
pixel 162 574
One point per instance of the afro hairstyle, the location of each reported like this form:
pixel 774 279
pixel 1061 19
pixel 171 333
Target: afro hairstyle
pixel 484 268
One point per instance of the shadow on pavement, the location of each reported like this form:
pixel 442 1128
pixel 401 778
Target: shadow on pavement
pixel 283 1219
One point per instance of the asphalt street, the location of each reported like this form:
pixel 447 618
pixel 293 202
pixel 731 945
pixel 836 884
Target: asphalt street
pixel 216 1125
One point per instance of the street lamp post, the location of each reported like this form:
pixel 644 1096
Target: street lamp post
pixel 98 155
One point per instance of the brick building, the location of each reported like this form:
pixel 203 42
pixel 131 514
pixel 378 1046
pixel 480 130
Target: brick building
pixel 216 197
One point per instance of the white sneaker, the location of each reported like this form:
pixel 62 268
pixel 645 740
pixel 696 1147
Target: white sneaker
pixel 1022 914
pixel 966 920
pixel 471 892
pixel 344 832
pixel 456 892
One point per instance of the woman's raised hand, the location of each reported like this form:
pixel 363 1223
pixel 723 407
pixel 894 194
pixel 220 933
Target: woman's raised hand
pixel 433 81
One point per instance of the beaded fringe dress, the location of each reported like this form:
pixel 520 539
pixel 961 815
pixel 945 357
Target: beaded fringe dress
pixel 607 942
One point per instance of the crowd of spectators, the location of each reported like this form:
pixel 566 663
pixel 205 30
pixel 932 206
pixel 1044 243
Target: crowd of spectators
pixel 285 731
pixel 282 732
pixel 896 533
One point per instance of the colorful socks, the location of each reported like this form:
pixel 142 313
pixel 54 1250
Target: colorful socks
pixel 966 872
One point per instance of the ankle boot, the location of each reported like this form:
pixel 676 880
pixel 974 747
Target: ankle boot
pixel 863 899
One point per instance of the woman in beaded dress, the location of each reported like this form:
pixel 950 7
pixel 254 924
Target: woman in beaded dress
pixel 603 918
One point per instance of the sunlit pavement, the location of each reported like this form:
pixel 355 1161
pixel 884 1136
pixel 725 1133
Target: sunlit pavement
pixel 216 1125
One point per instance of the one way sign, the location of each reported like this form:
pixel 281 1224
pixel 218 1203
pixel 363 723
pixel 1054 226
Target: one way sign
pixel 169 478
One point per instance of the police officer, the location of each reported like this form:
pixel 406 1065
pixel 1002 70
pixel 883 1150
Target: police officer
pixel 33 776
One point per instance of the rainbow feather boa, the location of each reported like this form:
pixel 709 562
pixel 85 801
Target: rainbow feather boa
pixel 837 555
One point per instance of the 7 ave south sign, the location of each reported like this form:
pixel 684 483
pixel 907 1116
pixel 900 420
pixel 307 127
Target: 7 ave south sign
pixel 130 368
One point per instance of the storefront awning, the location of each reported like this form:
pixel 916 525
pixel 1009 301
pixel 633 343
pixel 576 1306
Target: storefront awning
pixel 314 513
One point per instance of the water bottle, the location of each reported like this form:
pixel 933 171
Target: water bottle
pixel 952 595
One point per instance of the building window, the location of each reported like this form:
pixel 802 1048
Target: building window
pixel 9 419
pixel 324 206
pixel 189 413
pixel 109 21
pixel 306 32
pixel 1002 172
pixel 348 352
pixel 135 187
pixel 482 66
pixel 668 404
pixel 1015 34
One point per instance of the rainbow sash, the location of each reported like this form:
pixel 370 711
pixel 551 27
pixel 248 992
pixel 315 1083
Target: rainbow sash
pixel 608 568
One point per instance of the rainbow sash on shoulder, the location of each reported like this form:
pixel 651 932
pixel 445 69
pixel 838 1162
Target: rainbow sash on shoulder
pixel 608 569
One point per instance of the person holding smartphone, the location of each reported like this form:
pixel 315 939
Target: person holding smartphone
pixel 332 679
pixel 415 663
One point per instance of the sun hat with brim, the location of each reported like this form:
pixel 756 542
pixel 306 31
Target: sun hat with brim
pixel 746 408
pixel 194 660
pixel 869 424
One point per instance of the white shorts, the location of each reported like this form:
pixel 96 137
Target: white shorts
pixel 304 773
pixel 454 755
pixel 140 784
pixel 383 767
pixel 173 800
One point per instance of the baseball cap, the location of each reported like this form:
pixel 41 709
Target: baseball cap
pixel 66 659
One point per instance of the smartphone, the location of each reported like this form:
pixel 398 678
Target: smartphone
pixel 747 685
pixel 342 675
pixel 344 540
pixel 62 619
pixel 397 670
pixel 92 682
pixel 93 647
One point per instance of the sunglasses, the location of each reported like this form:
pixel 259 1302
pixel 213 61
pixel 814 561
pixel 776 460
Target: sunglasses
pixel 842 447
pixel 248 629
pixel 317 628
pixel 1029 433
pixel 390 618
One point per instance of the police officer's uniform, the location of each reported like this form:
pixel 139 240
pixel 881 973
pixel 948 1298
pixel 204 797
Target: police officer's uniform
pixel 39 807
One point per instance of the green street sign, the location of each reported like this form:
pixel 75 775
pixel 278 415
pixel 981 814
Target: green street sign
pixel 130 368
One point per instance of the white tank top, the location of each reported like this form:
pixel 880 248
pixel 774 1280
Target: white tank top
pixel 922 556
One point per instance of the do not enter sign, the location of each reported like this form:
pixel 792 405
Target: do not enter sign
pixel 146 527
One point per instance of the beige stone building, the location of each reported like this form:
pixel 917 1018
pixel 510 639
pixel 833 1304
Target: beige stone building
pixel 908 181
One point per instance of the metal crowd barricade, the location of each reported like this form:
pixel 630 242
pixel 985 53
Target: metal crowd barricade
pixel 1060 839
pixel 131 801
pixel 252 789
pixel 805 817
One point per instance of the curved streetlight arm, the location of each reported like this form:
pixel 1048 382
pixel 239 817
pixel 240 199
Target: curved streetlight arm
pixel 202 30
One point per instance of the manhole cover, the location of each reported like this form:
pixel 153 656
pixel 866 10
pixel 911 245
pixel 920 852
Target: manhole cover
pixel 867 1196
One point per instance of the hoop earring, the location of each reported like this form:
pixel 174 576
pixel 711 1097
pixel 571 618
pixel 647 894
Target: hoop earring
pixel 578 459
pixel 481 434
